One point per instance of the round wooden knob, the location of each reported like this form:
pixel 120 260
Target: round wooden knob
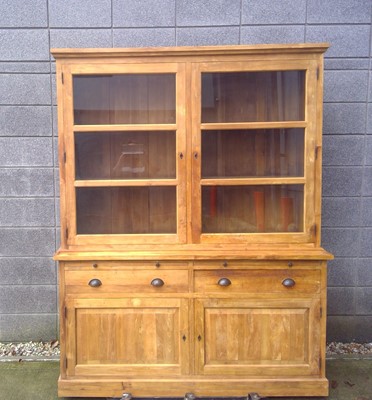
pixel 95 283
pixel 288 282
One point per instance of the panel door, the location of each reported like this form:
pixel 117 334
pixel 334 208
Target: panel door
pixel 257 337
pixel 132 336
pixel 254 131
pixel 123 154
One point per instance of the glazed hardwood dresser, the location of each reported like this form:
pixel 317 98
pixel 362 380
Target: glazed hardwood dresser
pixel 190 190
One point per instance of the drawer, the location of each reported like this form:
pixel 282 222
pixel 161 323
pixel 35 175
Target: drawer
pixel 257 281
pixel 125 264
pixel 126 281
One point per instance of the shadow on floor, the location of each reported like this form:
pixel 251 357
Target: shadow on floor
pixel 349 380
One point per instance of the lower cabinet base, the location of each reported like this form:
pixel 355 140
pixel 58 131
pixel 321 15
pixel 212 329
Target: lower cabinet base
pixel 200 387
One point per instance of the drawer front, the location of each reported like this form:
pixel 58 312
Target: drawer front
pixel 126 281
pixel 125 265
pixel 257 281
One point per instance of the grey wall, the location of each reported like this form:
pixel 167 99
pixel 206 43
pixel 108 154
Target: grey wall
pixel 28 131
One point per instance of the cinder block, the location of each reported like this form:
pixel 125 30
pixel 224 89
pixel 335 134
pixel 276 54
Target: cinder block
pixel 343 150
pixel 54 90
pixel 366 212
pixel 208 13
pixel 26 152
pixel 207 36
pixel 272 34
pixel 273 12
pixel 342 181
pixel 81 38
pixel 368 150
pixel 346 63
pixel 57 212
pixel 363 329
pixel 55 152
pixel 341 272
pixel 55 120
pixel 338 211
pixel 24 44
pixel 365 242
pixel 340 329
pixel 80 14
pixel 367 181
pixel 25 121
pixel 145 37
pixel 345 86
pixel 27 271
pixel 20 13
pixel 341 242
pixel 339 11
pixel 27 212
pixel 346 40
pixel 364 301
pixel 26 327
pixel 27 242
pixel 144 13
pixel 341 301
pixel 34 299
pixel 56 182
pixel 26 182
pixel 42 67
pixel 364 272
pixel 58 239
pixel 24 89
pixel 344 118
pixel 369 120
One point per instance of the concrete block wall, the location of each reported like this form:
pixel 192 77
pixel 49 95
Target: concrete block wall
pixel 28 131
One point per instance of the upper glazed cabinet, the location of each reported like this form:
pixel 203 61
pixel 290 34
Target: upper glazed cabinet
pixel 173 149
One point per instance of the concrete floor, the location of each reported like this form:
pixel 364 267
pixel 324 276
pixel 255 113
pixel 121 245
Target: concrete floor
pixel 350 379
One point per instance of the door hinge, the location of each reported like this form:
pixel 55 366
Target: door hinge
pixel 317 149
pixel 66 233
pixel 320 363
pixel 65 312
pixel 62 78
pixel 64 157
pixel 317 73
pixel 321 312
pixel 65 363
pixel 313 230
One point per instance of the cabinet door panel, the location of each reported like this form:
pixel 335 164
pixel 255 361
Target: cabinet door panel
pixel 263 96
pixel 124 99
pixel 263 337
pixel 127 336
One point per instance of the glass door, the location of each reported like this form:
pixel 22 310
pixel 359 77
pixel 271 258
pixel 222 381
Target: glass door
pixel 125 153
pixel 251 135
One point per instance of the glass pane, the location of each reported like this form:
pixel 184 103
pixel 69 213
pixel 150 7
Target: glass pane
pixel 125 99
pixel 253 96
pixel 125 155
pixel 249 209
pixel 126 210
pixel 251 153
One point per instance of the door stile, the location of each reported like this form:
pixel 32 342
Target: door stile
pixel 69 157
pixel 181 153
pixel 196 154
pixel 310 152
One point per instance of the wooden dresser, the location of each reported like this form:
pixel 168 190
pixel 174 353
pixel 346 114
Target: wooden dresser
pixel 190 260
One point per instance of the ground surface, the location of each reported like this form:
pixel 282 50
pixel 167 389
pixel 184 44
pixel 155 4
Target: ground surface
pixel 350 379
